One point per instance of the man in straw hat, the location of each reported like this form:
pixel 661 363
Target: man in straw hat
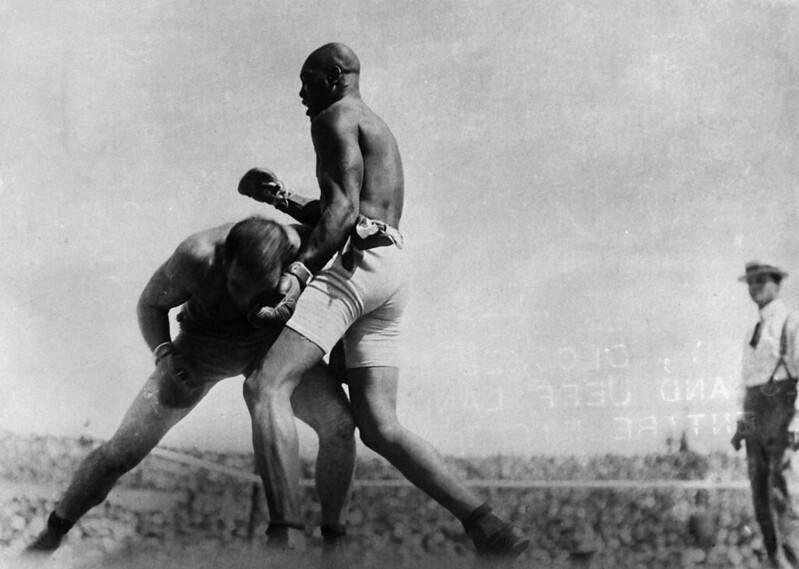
pixel 770 368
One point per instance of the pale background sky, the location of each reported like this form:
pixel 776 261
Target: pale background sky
pixel 585 181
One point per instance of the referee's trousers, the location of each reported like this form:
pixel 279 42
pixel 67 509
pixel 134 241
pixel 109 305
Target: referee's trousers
pixel 768 410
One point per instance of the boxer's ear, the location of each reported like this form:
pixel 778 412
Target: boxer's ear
pixel 335 74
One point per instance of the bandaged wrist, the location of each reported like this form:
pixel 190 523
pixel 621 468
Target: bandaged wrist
pixel 162 350
pixel 282 196
pixel 302 273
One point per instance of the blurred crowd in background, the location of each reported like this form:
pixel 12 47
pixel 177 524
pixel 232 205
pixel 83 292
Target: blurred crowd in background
pixel 164 503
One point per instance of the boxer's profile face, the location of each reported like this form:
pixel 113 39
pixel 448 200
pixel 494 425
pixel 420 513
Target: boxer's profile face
pixel 316 90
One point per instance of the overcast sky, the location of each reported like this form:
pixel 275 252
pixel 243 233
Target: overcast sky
pixel 584 183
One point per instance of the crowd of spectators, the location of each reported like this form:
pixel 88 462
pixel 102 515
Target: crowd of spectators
pixel 657 526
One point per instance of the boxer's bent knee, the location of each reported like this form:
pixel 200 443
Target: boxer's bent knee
pixel 381 436
pixel 253 391
pixel 335 427
pixel 268 385
pixel 261 396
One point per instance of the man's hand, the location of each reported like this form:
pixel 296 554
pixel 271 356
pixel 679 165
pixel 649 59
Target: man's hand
pixel 739 436
pixel 264 186
pixel 793 432
pixel 291 285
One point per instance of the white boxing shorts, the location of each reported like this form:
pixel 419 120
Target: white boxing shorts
pixel 364 306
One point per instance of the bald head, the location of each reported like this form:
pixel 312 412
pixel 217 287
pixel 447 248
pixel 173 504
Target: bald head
pixel 328 75
pixel 332 55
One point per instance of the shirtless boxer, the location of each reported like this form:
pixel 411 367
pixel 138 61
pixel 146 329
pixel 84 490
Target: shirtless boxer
pixel 351 276
pixel 220 277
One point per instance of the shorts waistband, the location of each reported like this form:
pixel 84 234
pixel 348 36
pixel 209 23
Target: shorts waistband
pixel 369 234
pixel 194 325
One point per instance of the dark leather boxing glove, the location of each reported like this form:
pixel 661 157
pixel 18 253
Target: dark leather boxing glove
pixel 291 285
pixel 264 186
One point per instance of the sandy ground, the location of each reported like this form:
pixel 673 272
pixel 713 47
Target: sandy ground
pixel 207 556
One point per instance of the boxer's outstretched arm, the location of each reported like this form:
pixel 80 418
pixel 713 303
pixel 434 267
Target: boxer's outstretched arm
pixel 263 185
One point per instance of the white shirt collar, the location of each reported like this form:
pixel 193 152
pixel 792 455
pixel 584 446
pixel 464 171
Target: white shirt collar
pixel 773 309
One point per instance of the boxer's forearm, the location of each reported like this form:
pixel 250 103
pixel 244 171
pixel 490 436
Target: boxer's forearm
pixel 153 324
pixel 304 210
pixel 263 185
pixel 328 235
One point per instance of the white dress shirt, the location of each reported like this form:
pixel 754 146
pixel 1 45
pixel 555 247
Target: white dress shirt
pixel 759 362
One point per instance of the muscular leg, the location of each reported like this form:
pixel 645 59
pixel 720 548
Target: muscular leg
pixel 144 425
pixel 320 402
pixel 268 393
pixel 373 393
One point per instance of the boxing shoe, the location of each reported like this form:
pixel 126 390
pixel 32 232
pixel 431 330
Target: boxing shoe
pixel 278 536
pixel 45 543
pixel 50 537
pixel 335 548
pixel 494 537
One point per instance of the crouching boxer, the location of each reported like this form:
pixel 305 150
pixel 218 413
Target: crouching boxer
pixel 223 278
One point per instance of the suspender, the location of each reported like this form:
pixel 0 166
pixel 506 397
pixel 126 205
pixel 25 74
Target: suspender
pixel 783 351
